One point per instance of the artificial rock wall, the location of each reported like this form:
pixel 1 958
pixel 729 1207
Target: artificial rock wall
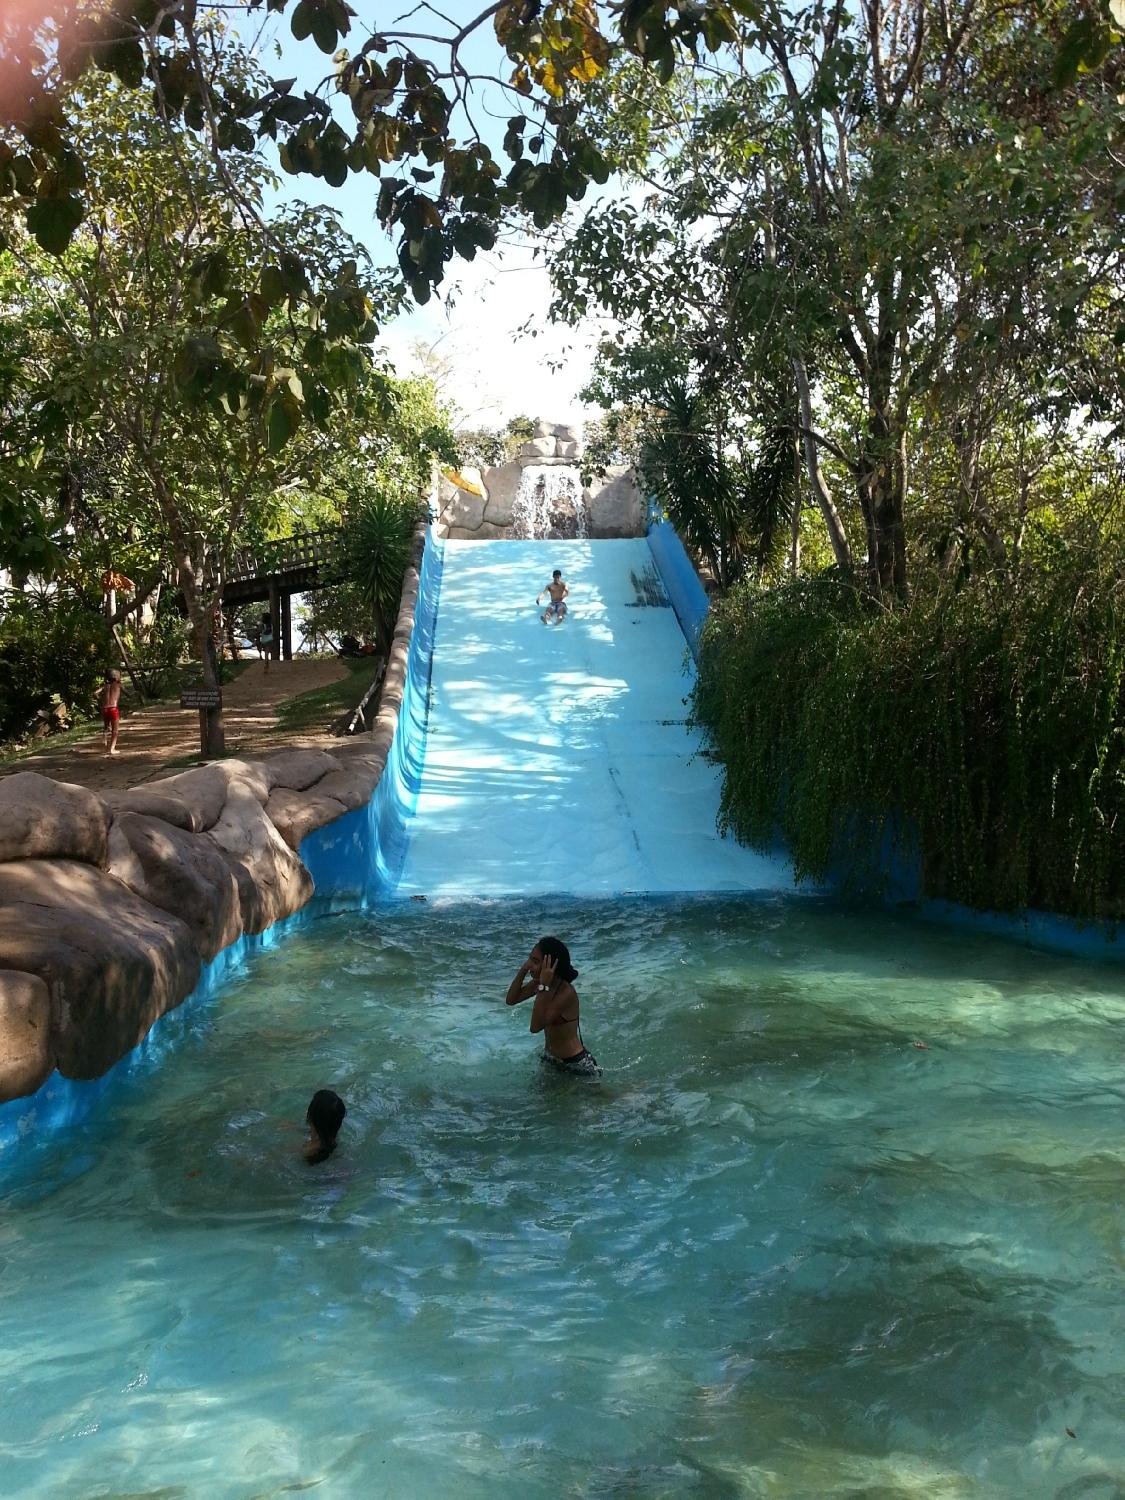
pixel 111 903
pixel 613 504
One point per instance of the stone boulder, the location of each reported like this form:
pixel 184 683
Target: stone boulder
pixel 503 485
pixel 112 963
pixel 297 814
pixel 45 819
pixel 298 769
pixel 26 1060
pixel 614 505
pixel 255 775
pixel 464 512
pixel 181 873
pixel 272 881
pixel 537 450
pixel 151 804
pixel 568 448
pixel 354 783
pixel 203 790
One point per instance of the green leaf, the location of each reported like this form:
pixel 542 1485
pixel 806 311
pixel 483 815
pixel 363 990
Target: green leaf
pixel 324 32
pixel 302 22
pixel 284 420
pixel 1083 47
pixel 53 221
pixel 334 166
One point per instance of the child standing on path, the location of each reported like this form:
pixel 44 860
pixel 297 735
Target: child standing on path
pixel 111 712
pixel 265 639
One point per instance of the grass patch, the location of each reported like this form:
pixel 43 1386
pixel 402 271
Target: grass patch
pixel 317 711
pixel 13 751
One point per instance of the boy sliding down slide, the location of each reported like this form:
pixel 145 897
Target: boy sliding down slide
pixel 558 591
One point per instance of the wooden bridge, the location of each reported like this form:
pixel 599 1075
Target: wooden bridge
pixel 274 571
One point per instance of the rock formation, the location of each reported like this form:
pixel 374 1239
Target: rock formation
pixel 110 904
pixel 613 505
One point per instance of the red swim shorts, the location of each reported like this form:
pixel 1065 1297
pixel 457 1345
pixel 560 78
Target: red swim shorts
pixel 111 715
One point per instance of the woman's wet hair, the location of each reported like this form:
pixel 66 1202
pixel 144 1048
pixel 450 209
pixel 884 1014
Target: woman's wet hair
pixel 553 947
pixel 325 1114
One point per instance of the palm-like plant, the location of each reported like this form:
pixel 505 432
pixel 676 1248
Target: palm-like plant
pixel 379 530
pixel 731 500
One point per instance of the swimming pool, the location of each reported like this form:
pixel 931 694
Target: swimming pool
pixel 779 1250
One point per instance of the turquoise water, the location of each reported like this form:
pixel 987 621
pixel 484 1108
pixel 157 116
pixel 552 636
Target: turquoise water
pixel 779 1250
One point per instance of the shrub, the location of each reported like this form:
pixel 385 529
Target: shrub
pixel 51 647
pixel 157 652
pixel 983 730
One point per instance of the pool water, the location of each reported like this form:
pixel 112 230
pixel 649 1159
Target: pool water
pixel 778 1250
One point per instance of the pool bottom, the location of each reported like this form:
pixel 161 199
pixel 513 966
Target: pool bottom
pixel 780 1249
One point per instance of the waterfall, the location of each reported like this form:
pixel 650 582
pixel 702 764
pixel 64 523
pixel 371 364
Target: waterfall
pixel 549 502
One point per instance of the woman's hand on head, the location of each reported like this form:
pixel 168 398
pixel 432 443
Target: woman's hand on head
pixel 547 970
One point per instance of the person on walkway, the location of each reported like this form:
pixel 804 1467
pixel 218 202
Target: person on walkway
pixel 324 1117
pixel 545 976
pixel 558 591
pixel 109 703
pixel 265 639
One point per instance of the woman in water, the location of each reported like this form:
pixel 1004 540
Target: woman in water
pixel 545 977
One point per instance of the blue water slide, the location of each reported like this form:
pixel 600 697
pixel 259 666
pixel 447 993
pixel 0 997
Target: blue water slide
pixel 561 757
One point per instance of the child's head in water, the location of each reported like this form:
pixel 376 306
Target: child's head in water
pixel 324 1115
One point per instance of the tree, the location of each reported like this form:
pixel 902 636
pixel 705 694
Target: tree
pixel 137 313
pixel 834 197
pixel 400 108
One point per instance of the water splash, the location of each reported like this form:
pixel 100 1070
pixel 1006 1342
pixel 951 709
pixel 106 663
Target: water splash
pixel 549 503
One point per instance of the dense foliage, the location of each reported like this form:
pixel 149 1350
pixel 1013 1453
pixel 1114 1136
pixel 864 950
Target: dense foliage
pixel 981 732
pixel 399 109
pixel 53 649
pixel 886 232
pixel 152 423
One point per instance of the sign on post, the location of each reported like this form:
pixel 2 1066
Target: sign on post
pixel 201 697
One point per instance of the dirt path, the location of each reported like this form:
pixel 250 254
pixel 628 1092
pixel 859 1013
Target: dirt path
pixel 153 737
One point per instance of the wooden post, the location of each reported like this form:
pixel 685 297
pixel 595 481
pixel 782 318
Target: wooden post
pixel 275 619
pixel 287 626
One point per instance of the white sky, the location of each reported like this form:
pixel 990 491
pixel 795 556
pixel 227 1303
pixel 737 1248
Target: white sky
pixel 474 319
pixel 498 372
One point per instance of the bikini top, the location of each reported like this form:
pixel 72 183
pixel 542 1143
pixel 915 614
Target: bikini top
pixel 563 1020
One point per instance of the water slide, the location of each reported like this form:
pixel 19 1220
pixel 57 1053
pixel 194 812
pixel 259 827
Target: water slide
pixel 558 758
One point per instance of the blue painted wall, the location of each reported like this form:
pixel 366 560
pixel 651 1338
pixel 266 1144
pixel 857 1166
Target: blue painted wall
pixel 681 581
pixel 361 854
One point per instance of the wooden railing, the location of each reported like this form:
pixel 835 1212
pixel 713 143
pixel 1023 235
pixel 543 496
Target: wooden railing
pixel 291 554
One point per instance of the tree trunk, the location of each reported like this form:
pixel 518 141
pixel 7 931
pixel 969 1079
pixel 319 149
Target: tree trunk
pixel 971 505
pixel 841 551
pixel 212 731
pixel 882 489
